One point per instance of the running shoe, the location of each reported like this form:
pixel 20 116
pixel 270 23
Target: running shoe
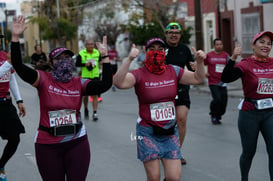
pixel 86 113
pixel 95 117
pixel 215 121
pixel 99 99
pixel 3 176
pixel 113 88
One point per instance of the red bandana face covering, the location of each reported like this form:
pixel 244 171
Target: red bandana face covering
pixel 154 62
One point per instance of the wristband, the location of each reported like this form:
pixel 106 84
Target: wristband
pixel 20 101
pixel 104 56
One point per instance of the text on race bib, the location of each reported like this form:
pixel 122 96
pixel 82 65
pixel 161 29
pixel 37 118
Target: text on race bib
pixel 62 117
pixel 162 111
pixel 265 86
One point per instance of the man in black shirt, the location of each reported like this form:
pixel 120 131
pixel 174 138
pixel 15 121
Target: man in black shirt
pixel 180 55
pixel 38 57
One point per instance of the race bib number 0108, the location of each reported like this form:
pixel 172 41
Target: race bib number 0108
pixel 62 117
pixel 162 111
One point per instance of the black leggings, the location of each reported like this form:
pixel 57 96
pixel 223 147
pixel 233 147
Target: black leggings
pixel 10 149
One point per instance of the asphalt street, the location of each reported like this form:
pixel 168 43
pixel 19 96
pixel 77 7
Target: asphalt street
pixel 212 151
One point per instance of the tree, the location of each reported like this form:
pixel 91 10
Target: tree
pixel 62 29
pixel 156 15
pixel 106 23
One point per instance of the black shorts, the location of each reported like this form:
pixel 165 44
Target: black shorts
pixel 183 96
pixel 10 124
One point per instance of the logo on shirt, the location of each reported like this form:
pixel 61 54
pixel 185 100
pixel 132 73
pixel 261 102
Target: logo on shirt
pixel 68 92
pixel 5 77
pixel 156 84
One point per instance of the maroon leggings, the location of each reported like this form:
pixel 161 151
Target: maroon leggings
pixel 68 160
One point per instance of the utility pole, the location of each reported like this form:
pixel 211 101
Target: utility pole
pixel 39 16
pixel 6 30
pixel 198 24
pixel 58 8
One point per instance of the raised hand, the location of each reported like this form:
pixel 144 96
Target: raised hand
pixel 236 52
pixel 102 47
pixel 199 55
pixel 18 25
pixel 133 53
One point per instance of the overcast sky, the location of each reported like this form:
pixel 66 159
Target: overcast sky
pixel 10 5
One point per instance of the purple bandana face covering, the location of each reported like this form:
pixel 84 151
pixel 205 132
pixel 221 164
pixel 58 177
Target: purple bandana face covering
pixel 62 70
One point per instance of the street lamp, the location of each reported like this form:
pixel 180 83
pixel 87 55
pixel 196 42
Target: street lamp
pixel 2 6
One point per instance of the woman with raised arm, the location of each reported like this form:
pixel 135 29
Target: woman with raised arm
pixel 155 86
pixel 61 144
pixel 256 109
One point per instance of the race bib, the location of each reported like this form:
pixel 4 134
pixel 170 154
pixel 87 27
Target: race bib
pixel 162 111
pixel 62 117
pixel 113 62
pixel 219 68
pixel 265 86
pixel 264 103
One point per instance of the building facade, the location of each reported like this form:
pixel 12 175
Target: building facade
pixel 235 22
pixel 241 20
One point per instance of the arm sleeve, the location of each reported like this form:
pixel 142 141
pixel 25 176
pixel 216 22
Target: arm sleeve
pixel 4 68
pixel 14 88
pixel 96 87
pixel 79 61
pixel 231 73
pixel 26 73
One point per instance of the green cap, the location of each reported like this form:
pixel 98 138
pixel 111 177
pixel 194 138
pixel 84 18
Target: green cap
pixel 173 25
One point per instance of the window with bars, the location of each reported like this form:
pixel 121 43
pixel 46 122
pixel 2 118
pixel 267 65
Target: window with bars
pixel 250 26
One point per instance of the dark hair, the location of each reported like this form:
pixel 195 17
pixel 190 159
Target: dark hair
pixel 216 39
pixel 35 47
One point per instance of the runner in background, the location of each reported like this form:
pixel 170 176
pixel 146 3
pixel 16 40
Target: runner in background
pixel 114 59
pixel 216 61
pixel 179 54
pixel 10 123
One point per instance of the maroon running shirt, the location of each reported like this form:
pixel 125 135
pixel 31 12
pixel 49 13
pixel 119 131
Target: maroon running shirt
pixel 4 80
pixel 216 64
pixel 58 96
pixel 156 95
pixel 257 78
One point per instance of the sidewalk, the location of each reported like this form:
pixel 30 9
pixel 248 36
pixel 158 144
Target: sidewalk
pixel 234 88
